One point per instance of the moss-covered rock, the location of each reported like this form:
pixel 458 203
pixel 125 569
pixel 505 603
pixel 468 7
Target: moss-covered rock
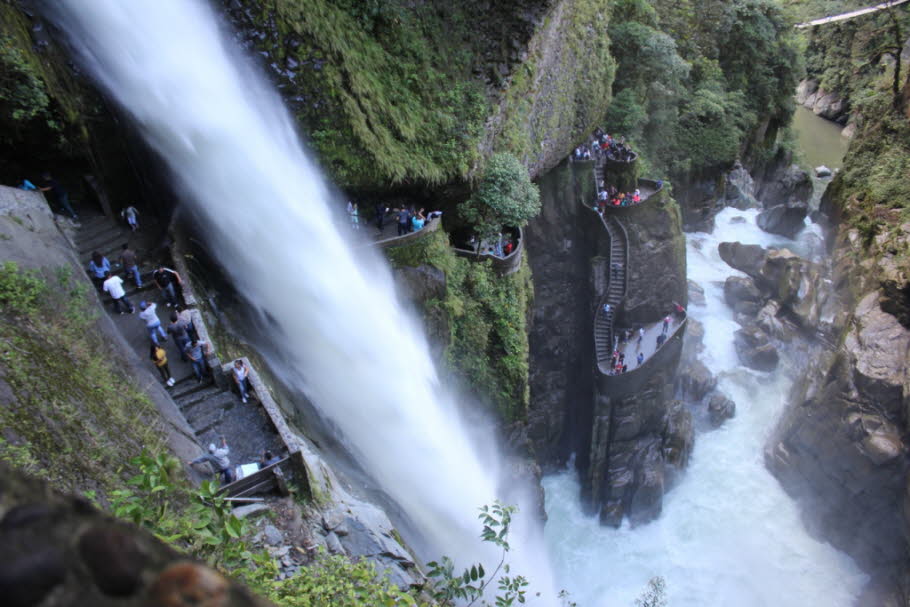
pixel 478 320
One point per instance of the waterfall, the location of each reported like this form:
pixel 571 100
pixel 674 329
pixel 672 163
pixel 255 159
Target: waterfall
pixel 339 330
pixel 728 534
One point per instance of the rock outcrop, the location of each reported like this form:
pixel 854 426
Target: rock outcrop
pixel 755 350
pixel 784 219
pixel 821 102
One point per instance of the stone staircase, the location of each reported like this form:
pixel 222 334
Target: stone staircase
pixel 101 233
pixel 616 289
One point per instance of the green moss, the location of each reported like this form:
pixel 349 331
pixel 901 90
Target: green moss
pixel 560 96
pixel 74 418
pixel 487 345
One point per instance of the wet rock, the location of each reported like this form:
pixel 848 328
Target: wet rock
pixel 273 536
pixel 788 184
pixel 720 409
pixel 422 283
pixel 114 559
pixel 739 191
pixel 249 510
pixel 755 350
pixel 678 437
pixel 188 585
pixel 695 380
pixel 27 579
pixel 822 171
pixel 333 544
pixel 696 293
pixel 741 289
pixel 769 321
pixel 748 258
pixel 785 219
pixel 739 219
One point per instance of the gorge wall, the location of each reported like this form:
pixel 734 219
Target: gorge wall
pixel 623 443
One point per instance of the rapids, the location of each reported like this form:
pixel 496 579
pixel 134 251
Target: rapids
pixel 728 535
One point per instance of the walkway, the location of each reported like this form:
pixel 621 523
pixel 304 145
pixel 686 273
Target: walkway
pixel 606 335
pixel 211 411
pixel 851 14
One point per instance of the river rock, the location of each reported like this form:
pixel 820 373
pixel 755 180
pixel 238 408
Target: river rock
pixel 822 171
pixel 769 321
pixel 789 184
pixel 739 191
pixel 696 293
pixel 720 409
pixel 755 350
pixel 695 380
pixel 748 258
pixel 272 535
pixel 741 289
pixel 785 219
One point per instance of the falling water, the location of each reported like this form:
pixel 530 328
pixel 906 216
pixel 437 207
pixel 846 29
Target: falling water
pixel 338 328
pixel 728 535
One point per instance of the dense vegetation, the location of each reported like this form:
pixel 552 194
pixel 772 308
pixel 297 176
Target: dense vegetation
pixel 698 78
pixel 505 197
pixel 485 322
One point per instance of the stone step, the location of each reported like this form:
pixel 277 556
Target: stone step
pixel 106 246
pixel 87 237
pixel 187 385
pixel 209 414
pixel 195 397
pixel 93 227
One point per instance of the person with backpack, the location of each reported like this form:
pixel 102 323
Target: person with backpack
pixel 159 357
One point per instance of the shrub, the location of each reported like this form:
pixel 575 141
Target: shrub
pixel 506 197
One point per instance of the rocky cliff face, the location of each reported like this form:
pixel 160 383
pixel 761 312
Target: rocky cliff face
pixel 626 439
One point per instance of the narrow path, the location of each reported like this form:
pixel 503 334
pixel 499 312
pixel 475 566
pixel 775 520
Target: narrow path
pixel 857 13
pixel 211 411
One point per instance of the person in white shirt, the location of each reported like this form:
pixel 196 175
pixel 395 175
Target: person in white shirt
pixel 152 324
pixel 132 217
pixel 113 285
pixel 240 373
pixel 218 457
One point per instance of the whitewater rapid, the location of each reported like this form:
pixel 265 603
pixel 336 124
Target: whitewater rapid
pixel 339 334
pixel 728 535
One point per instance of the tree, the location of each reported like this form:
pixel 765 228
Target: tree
pixel 892 45
pixel 505 197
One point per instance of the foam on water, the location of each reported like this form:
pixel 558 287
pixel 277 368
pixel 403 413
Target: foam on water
pixel 728 535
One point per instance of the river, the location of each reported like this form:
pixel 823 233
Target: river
pixel 819 140
pixel 728 535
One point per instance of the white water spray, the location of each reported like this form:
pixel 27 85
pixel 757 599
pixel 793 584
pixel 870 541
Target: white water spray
pixel 729 534
pixel 235 155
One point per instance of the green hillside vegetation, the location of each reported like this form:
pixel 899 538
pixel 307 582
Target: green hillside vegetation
pixel 698 78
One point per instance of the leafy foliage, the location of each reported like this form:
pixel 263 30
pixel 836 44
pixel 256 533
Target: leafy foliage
pixel 22 94
pixel 697 77
pixel 505 198
pixel 472 584
pixel 655 595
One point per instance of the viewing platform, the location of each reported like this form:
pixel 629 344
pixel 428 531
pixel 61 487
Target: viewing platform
pixel 502 264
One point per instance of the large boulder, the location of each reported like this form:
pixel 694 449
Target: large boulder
pixel 769 320
pixel 739 191
pixel 741 289
pixel 784 219
pixel 695 380
pixel 786 184
pixel 748 258
pixel 720 409
pixel 755 350
pixel 696 293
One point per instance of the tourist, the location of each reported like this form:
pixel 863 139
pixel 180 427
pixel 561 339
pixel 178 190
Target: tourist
pixel 641 358
pixel 434 215
pixel 661 339
pixel 132 217
pixel 240 373
pixel 178 331
pixel 197 352
pixel 624 369
pixel 641 335
pixel 166 279
pixel 418 221
pixel 186 319
pixel 680 311
pixel 404 221
pixel 381 211
pixel 149 315
pixel 218 457
pixel 98 267
pixel 614 358
pixel 159 357
pixel 113 285
pixel 507 250
pixel 614 269
pixel 607 309
pixel 355 217
pixel 130 266
pixel 636 197
pixel 666 324
pixel 268 459
pixel 58 193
